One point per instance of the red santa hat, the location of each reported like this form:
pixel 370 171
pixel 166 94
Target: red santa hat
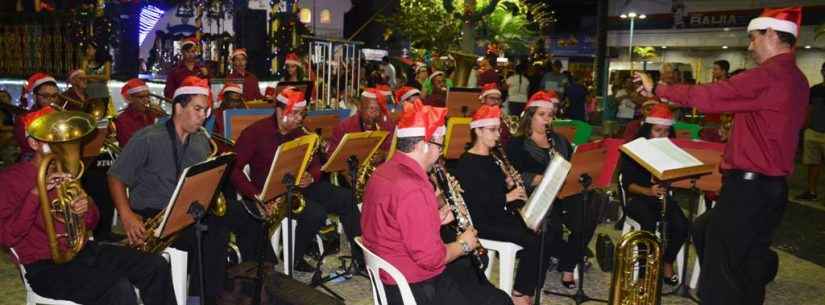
pixel 229 87
pixel 238 51
pixel 406 92
pixel 133 86
pixel 379 98
pixel 384 89
pixel 29 118
pixel 193 85
pixel 75 73
pixel 660 114
pixel 781 19
pixel 543 98
pixel 188 41
pixel 293 98
pixel 436 73
pixel 292 59
pixel 488 89
pixel 418 120
pixel 486 116
pixel 38 79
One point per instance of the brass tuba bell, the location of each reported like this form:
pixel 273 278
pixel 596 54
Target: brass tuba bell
pixel 63 132
pixel 636 270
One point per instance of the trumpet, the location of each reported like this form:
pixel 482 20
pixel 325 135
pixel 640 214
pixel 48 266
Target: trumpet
pixel 162 98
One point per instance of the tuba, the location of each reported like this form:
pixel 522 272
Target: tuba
pixel 63 131
pixel 636 275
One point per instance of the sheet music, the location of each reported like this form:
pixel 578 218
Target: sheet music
pixel 540 202
pixel 662 154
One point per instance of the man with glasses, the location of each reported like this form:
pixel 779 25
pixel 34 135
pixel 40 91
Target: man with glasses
pixel 135 116
pixel 256 147
pixel 44 92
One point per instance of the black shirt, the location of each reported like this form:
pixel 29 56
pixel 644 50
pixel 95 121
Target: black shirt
pixel 817 122
pixel 531 160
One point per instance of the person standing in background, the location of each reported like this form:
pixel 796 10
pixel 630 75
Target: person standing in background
pixel 517 87
pixel 813 154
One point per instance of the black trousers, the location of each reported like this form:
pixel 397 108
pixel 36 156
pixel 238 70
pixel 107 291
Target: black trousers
pixel 248 230
pixel 445 289
pixel 95 185
pixel 215 240
pixel 572 213
pixel 528 270
pixel 738 261
pixel 647 212
pixel 323 198
pixel 105 274
pixel 469 277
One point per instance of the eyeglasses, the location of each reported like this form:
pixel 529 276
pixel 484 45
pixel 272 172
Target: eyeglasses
pixel 52 96
pixel 439 145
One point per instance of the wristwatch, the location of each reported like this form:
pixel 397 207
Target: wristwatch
pixel 464 246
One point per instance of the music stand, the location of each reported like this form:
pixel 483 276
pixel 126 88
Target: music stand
pixel 291 158
pixel 590 162
pixel 361 145
pixel 197 188
pixel 393 144
pixel 457 137
pixel 462 102
pixel 236 120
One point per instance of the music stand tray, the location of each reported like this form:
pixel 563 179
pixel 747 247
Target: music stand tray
pixel 362 145
pixel 458 136
pixel 291 158
pixel 462 102
pixel 198 184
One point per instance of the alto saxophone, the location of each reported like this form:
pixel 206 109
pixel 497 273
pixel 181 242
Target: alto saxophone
pixel 451 190
pixel 500 158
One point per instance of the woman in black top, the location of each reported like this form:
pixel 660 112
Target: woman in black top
pixel 644 205
pixel 529 152
pixel 486 194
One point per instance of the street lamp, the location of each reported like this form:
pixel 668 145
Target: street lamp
pixel 632 16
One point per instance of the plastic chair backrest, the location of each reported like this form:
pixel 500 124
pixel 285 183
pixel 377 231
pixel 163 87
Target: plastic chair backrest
pixel 374 265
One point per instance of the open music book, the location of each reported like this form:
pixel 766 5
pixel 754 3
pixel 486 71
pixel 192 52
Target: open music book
pixel 541 200
pixel 664 160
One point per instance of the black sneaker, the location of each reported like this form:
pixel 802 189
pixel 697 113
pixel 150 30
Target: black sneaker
pixel 806 196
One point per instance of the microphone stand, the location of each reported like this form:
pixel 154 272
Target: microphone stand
pixel 580 296
pixel 197 212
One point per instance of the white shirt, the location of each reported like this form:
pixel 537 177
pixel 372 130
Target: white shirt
pixel 519 85
pixel 627 108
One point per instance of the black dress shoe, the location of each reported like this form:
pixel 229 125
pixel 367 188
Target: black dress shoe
pixel 303 266
pixel 568 285
pixel 673 280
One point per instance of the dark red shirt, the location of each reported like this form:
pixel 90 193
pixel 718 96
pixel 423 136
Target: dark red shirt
pixel 435 100
pixel 400 222
pixel 353 124
pixel 256 147
pixel 72 94
pixel 768 104
pixel 631 129
pixel 129 122
pixel 251 89
pixel 21 222
pixel 176 76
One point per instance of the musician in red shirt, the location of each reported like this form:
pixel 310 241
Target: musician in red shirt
pixel 251 89
pixel 77 90
pixel 135 116
pixel 256 147
pixel 99 273
pixel 44 91
pixel 407 94
pixel 768 104
pixel 372 115
pixel 188 66
pixel 401 216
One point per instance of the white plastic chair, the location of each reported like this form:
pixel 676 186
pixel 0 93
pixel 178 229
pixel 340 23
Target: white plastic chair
pixel 178 262
pixel 506 253
pixel 374 265
pixel 32 297
pixel 280 235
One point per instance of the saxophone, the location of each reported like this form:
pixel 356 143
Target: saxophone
pixel 635 278
pixel 299 202
pixel 451 190
pixel 500 158
pixel 363 174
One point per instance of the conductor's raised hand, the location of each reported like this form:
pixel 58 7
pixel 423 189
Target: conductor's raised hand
pixel 645 83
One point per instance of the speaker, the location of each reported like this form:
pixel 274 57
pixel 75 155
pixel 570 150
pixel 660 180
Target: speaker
pixel 250 32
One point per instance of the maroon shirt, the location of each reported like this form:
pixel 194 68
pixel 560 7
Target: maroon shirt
pixel 129 122
pixel 256 147
pixel 353 124
pixel 72 94
pixel 400 222
pixel 631 129
pixel 768 105
pixel 251 90
pixel 435 100
pixel 21 222
pixel 176 77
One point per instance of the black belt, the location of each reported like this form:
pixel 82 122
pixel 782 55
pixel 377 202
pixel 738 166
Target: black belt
pixel 751 176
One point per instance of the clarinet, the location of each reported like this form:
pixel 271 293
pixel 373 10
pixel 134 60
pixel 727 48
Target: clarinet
pixel 500 158
pixel 452 195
